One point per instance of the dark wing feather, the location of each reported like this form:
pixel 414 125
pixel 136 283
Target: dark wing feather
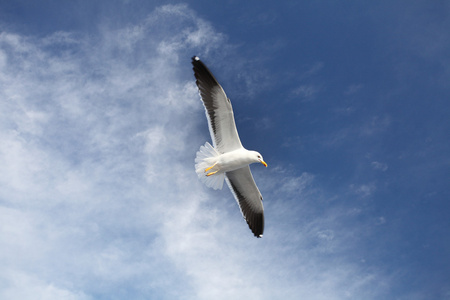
pixel 219 111
pixel 249 198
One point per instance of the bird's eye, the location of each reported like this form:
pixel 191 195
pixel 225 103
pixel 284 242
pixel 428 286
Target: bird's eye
pixel 259 156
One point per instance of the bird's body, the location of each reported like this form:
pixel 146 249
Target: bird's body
pixel 228 159
pixel 232 160
pixel 237 159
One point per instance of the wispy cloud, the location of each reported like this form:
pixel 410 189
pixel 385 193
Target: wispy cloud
pixel 313 70
pixel 363 190
pixel 379 166
pixel 305 92
pixel 98 196
pixel 353 89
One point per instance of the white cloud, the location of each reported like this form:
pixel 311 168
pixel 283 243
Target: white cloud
pixel 363 190
pixel 98 195
pixel 375 125
pixel 313 70
pixel 381 221
pixel 305 92
pixel 353 89
pixel 379 166
pixel 24 286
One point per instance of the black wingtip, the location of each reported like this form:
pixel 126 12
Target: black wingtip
pixel 256 225
pixel 202 73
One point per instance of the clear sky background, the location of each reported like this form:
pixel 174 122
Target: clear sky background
pixel 100 120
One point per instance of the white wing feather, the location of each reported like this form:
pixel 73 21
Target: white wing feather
pixel 247 194
pixel 219 111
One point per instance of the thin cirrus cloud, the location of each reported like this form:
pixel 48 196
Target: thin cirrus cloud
pixel 99 198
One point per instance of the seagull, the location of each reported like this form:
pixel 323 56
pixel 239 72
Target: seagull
pixel 227 160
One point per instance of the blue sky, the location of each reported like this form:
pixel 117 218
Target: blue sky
pixel 100 121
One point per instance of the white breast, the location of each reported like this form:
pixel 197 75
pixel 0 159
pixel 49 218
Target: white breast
pixel 234 160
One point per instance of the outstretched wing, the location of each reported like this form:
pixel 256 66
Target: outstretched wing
pixel 249 198
pixel 218 108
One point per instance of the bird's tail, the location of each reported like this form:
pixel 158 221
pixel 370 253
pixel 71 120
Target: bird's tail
pixel 206 158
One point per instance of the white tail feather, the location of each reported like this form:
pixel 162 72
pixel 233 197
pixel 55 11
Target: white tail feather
pixel 207 157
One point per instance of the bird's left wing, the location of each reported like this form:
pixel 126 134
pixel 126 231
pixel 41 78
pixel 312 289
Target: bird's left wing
pixel 218 109
pixel 249 198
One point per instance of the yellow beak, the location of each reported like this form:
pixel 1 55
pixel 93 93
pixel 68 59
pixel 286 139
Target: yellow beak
pixel 264 163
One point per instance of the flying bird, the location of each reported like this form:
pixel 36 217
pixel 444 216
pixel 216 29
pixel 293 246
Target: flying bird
pixel 227 160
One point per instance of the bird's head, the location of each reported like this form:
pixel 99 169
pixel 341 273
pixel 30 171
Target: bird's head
pixel 258 158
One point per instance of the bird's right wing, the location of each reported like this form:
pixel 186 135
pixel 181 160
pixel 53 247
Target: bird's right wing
pixel 249 198
pixel 219 111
